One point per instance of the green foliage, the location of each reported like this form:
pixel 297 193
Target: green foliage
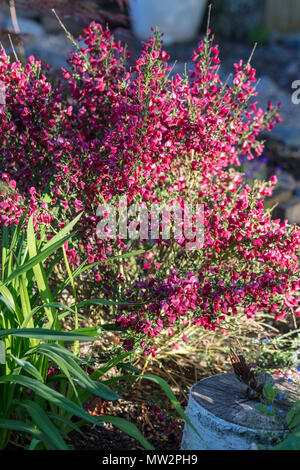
pixel 292 442
pixel 31 402
pixel 269 392
pixel 34 400
pixel 291 421
pixel 293 416
pixel 258 35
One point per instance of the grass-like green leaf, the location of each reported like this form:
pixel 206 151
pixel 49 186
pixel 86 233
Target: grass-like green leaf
pixel 40 275
pixel 128 428
pixel 41 256
pixel 45 424
pixel 33 371
pixel 69 366
pixel 167 389
pixel 60 401
pixel 20 426
pixel 44 334
pixel 59 237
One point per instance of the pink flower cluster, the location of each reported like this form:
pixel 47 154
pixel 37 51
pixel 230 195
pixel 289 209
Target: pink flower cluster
pixel 205 297
pixel 108 131
pixel 14 205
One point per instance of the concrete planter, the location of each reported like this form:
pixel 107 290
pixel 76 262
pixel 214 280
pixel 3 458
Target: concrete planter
pixel 227 420
pixel 179 20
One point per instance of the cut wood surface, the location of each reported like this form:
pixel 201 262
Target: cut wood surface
pixel 225 396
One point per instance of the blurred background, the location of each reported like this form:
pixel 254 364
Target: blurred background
pixel 31 28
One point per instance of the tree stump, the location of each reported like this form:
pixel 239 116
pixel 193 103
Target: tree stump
pixel 227 420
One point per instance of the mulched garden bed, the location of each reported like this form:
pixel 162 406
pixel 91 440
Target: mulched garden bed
pixel 163 432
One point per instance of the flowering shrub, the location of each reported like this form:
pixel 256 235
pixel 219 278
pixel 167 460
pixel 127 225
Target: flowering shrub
pixel 153 138
pixel 43 385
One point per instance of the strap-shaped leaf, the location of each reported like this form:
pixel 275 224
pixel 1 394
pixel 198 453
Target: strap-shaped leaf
pixel 69 366
pixel 45 424
pixel 33 371
pixel 45 253
pixel 20 426
pixel 45 334
pixel 129 428
pixel 62 402
pixel 62 233
pixel 40 275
